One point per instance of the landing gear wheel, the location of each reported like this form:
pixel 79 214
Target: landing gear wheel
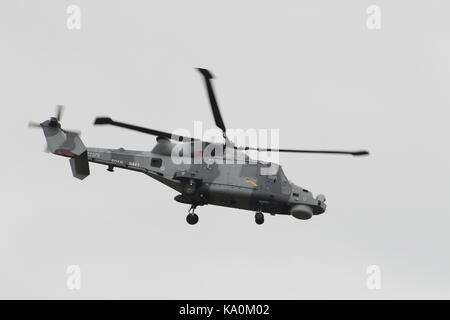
pixel 192 218
pixel 259 218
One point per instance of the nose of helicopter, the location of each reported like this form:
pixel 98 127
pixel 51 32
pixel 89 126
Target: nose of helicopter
pixel 321 203
pixel 304 205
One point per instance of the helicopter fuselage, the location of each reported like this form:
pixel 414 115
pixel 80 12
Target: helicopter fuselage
pixel 246 184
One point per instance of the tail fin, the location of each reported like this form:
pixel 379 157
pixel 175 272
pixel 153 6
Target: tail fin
pixel 68 144
pixel 80 166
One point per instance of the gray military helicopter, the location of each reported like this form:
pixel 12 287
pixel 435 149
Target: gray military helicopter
pixel 239 182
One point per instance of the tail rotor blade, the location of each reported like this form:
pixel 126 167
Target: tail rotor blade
pixel 33 124
pixel 59 111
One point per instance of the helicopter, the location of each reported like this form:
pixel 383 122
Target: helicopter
pixel 239 182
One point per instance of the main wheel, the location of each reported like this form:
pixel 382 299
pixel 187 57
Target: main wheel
pixel 259 218
pixel 192 218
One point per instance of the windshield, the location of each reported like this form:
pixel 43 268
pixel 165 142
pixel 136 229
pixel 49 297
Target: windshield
pixel 282 176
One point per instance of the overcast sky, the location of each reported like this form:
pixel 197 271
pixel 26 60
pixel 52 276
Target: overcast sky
pixel 311 69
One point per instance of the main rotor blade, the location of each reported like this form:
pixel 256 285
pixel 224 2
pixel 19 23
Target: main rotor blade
pixel 107 120
pixel 212 99
pixel 353 153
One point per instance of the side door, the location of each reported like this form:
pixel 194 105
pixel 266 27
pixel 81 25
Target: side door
pixel 268 177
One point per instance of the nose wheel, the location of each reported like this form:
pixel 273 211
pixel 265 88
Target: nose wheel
pixel 259 218
pixel 192 218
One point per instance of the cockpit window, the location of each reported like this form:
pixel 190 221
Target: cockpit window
pixel 270 169
pixel 285 185
pixel 156 162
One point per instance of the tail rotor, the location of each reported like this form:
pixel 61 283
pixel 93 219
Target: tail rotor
pixel 53 122
pixel 65 143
